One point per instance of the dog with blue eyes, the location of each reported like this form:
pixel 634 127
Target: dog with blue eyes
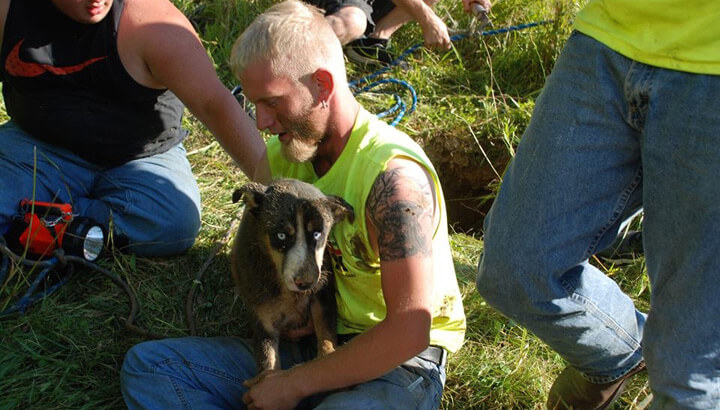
pixel 277 263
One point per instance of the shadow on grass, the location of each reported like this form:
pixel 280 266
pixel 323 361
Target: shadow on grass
pixel 66 351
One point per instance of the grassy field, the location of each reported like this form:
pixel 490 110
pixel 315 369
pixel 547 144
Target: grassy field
pixel 474 102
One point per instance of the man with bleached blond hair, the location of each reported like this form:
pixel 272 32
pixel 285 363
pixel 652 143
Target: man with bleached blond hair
pixel 399 306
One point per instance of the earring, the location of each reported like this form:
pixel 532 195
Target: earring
pixel 324 104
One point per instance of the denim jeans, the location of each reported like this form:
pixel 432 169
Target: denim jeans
pixel 208 373
pixel 154 202
pixel 610 135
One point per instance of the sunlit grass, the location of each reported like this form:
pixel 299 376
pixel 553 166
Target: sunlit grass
pixel 474 102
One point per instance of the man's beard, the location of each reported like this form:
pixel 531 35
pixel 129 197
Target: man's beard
pixel 300 149
pixel 303 145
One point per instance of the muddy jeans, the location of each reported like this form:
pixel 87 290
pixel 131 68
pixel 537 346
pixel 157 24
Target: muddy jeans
pixel 610 135
pixel 208 373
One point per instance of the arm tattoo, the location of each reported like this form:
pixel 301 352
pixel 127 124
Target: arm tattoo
pixel 404 226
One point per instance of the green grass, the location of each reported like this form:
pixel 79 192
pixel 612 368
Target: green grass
pixel 474 103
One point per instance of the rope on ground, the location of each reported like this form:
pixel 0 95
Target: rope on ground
pixel 366 83
pixel 30 296
pixel 61 260
pixel 190 300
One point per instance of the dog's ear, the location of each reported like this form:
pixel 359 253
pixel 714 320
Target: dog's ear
pixel 340 209
pixel 252 194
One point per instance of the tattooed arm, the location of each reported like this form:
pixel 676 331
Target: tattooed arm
pixel 401 211
pixel 401 216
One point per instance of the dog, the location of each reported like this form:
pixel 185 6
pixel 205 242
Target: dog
pixel 277 263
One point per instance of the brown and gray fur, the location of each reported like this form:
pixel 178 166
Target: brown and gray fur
pixel 277 263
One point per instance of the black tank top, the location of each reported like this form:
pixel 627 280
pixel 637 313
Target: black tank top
pixel 64 84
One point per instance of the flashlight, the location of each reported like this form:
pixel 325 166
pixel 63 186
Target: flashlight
pixel 46 226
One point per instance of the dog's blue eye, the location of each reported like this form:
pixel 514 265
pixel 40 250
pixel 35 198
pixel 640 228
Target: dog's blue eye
pixel 281 236
pixel 317 235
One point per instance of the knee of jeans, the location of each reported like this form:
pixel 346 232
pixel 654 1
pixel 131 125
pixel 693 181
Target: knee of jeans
pixel 138 359
pixel 497 282
pixel 183 226
pixel 163 245
pixel 486 281
pixel 166 235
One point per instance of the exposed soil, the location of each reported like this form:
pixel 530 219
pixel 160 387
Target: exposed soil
pixel 468 180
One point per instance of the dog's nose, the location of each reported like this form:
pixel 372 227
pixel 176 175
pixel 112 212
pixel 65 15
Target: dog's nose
pixel 303 284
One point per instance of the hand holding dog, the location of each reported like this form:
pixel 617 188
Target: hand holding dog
pixel 271 389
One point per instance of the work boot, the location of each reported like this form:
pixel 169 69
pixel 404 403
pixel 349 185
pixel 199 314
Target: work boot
pixel 572 391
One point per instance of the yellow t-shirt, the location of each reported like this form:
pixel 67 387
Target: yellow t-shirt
pixel 678 35
pixel 361 305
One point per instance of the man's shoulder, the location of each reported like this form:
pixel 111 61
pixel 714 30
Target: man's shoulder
pixel 377 133
pixel 382 140
pixel 151 33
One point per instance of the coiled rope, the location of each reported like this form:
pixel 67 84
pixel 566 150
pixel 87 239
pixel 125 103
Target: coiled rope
pixel 399 109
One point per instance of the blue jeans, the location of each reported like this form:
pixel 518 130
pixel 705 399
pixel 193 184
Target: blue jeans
pixel 610 135
pixel 154 202
pixel 208 373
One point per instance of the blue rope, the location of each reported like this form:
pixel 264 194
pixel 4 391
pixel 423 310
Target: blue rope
pixel 400 106
pixel 68 262
pixel 32 294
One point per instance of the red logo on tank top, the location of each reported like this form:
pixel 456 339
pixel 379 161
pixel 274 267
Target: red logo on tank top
pixel 19 68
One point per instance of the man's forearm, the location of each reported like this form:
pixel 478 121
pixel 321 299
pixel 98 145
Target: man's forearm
pixel 249 153
pixel 366 357
pixel 239 137
pixel 417 9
